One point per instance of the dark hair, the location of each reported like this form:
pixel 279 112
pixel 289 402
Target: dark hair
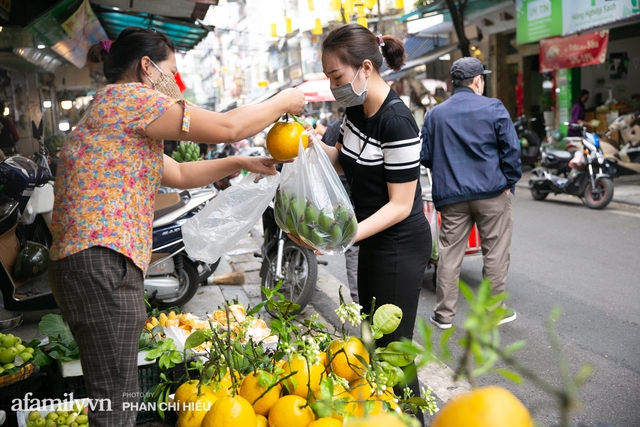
pixel 583 92
pixel 456 83
pixel 126 51
pixel 353 43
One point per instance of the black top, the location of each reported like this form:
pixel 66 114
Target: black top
pixel 384 148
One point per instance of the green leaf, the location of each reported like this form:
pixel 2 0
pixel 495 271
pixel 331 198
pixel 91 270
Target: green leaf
pixel 387 318
pixel 513 347
pixel 510 375
pixel 395 355
pixel 197 338
pixel 53 326
pixel 301 122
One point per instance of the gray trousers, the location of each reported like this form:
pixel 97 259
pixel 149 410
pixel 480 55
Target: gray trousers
pixel 100 293
pixel 494 218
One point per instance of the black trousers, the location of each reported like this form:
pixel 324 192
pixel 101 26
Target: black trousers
pixel 391 267
pixel 100 293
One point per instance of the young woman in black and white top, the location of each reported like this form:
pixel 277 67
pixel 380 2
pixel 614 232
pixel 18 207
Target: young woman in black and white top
pixel 379 152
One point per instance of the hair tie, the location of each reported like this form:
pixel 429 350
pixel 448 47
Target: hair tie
pixel 380 40
pixel 106 45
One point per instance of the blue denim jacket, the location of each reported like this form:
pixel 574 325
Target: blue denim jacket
pixel 471 147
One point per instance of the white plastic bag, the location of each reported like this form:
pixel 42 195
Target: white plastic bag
pixel 226 219
pixel 312 203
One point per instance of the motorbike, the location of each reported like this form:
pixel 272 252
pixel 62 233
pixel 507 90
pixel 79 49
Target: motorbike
pixel 284 261
pixel 529 140
pixel 26 203
pixel 589 178
pixel 627 158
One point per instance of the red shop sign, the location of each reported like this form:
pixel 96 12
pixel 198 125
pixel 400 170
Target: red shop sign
pixel 573 51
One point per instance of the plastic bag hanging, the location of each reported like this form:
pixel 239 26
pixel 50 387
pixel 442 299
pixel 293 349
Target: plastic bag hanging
pixel 220 225
pixel 312 204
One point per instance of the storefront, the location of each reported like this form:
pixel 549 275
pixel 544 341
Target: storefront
pixel 582 45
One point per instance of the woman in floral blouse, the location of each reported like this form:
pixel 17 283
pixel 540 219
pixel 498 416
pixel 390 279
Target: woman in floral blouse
pixel 109 172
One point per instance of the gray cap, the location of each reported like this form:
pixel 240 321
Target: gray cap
pixel 466 68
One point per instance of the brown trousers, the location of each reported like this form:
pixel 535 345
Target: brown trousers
pixel 494 218
pixel 101 296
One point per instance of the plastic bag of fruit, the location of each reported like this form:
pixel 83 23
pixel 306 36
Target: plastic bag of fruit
pixel 220 225
pixel 312 204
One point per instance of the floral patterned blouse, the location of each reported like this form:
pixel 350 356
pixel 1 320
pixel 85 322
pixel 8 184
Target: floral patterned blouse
pixel 109 173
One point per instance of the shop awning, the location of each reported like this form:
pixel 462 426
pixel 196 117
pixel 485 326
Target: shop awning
pixel 185 33
pixel 420 51
pixel 316 90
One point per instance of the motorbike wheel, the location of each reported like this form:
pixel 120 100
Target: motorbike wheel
pixel 538 195
pixel 300 270
pixel 189 284
pixel 601 195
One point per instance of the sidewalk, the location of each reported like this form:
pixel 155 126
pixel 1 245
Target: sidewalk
pixel 626 188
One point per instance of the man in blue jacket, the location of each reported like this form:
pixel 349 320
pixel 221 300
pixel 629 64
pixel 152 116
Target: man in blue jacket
pixel 472 148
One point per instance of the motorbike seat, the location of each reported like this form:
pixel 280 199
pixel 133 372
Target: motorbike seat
pixel 560 154
pixel 166 203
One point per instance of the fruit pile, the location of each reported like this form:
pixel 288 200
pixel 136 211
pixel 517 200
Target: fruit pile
pixel 187 151
pixel 314 380
pixel 322 229
pixel 75 416
pixel 186 321
pixel 13 354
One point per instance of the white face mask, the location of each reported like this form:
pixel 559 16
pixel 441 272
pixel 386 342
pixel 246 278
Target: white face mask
pixel 346 95
pixel 479 92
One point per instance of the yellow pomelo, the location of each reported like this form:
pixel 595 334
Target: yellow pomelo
pixel 184 392
pixel 252 390
pixel 326 422
pixel 291 411
pixel 346 364
pixel 484 407
pixel 304 374
pixel 195 408
pixel 230 411
pixel 383 420
pixel 283 140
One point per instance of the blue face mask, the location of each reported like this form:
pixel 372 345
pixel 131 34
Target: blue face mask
pixel 346 95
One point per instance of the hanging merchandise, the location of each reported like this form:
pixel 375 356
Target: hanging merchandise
pixel 289 25
pixel 310 3
pixel 317 29
pixel 336 5
pixel 313 205
pixel 369 4
pixel 274 30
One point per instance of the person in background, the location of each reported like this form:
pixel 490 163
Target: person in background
pixel 111 166
pixel 378 151
pixel 9 135
pixel 330 138
pixel 578 113
pixel 472 148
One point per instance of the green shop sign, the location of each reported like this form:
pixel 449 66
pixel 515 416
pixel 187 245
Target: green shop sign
pixel 538 19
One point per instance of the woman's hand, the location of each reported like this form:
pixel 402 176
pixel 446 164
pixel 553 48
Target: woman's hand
pixel 261 165
pixel 295 98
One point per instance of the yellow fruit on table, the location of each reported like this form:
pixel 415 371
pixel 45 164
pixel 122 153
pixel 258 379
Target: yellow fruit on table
pixel 326 422
pixel 283 140
pixel 361 391
pixel 291 411
pixel 383 420
pixel 484 407
pixel 261 421
pixel 304 374
pixel 184 392
pixel 252 390
pixel 195 408
pixel 230 411
pixel 162 319
pixel 346 364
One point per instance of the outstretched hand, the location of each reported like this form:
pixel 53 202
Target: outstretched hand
pixel 262 165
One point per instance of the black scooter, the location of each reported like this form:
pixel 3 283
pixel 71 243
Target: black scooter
pixel 283 260
pixel 589 178
pixel 529 141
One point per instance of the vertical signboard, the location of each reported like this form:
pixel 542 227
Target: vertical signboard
pixel 563 98
pixel 537 19
pixel 5 10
